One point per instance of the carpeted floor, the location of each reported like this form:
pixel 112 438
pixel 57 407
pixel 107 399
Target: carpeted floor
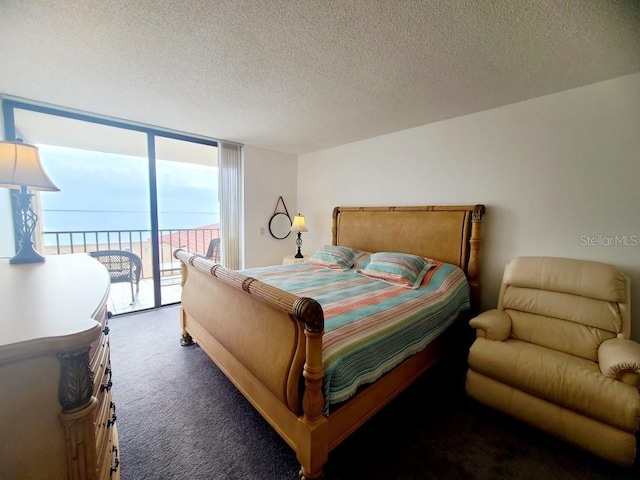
pixel 180 418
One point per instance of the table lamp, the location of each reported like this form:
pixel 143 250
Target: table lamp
pixel 298 226
pixel 20 167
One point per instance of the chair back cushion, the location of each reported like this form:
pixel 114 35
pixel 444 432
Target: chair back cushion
pixel 567 305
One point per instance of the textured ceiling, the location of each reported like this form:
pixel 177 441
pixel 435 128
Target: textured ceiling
pixel 299 76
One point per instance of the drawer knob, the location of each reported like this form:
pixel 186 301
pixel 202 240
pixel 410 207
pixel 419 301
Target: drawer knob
pixel 106 330
pixel 111 421
pixel 105 387
pixel 114 469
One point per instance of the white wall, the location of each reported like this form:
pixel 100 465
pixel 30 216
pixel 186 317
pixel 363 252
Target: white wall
pixel 551 171
pixel 7 245
pixel 267 175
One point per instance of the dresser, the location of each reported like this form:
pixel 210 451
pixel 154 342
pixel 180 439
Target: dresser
pixel 57 411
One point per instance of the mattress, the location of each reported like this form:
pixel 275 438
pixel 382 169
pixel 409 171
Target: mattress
pixel 371 326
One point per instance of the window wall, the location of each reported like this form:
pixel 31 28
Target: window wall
pixel 123 188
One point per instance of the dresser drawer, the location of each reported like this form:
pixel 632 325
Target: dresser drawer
pixel 106 435
pixel 99 365
pixel 105 418
pixel 109 468
pixel 99 351
pixel 103 317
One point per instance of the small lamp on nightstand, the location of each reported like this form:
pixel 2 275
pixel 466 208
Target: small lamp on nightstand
pixel 20 167
pixel 298 226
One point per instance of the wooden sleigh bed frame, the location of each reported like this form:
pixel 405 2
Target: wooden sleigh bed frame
pixel 269 342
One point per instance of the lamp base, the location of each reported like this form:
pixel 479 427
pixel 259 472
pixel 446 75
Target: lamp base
pixel 26 255
pixel 25 223
pixel 299 244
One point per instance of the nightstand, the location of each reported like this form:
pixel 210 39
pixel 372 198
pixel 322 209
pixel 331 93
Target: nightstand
pixel 290 259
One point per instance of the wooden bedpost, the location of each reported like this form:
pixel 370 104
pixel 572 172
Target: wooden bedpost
pixel 473 268
pixel 334 226
pixel 185 338
pixel 313 450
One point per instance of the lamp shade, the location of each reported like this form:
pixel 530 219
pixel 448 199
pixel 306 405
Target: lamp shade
pixel 20 166
pixel 298 224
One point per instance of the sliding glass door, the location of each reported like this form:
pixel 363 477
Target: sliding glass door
pixel 188 211
pixel 129 195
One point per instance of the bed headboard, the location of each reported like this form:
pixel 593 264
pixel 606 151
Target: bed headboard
pixel 450 234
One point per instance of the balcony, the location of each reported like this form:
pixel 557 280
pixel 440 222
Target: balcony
pixel 139 242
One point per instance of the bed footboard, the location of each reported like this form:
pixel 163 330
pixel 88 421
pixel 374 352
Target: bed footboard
pixel 266 329
pixel 265 340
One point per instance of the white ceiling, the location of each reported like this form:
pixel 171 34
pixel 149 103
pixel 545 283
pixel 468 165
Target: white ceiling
pixel 300 76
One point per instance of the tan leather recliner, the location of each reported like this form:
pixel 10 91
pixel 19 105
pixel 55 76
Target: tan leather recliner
pixel 556 354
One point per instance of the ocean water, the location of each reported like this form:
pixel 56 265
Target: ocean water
pixel 108 192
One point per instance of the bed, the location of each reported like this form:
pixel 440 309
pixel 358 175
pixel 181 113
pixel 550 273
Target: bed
pixel 269 341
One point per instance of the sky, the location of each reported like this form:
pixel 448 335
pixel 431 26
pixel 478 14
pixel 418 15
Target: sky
pixel 100 191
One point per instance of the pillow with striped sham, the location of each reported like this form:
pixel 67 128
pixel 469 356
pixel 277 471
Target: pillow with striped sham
pixel 402 269
pixel 361 259
pixel 334 256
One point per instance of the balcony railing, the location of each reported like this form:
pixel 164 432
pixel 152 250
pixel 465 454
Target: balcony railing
pixel 137 241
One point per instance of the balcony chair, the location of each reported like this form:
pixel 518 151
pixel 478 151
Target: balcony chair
pixel 123 266
pixel 556 354
pixel 213 251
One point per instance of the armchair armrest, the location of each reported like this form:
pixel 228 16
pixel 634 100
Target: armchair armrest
pixel 492 324
pixel 619 358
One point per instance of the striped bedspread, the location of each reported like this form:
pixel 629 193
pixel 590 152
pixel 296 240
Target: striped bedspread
pixel 370 325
